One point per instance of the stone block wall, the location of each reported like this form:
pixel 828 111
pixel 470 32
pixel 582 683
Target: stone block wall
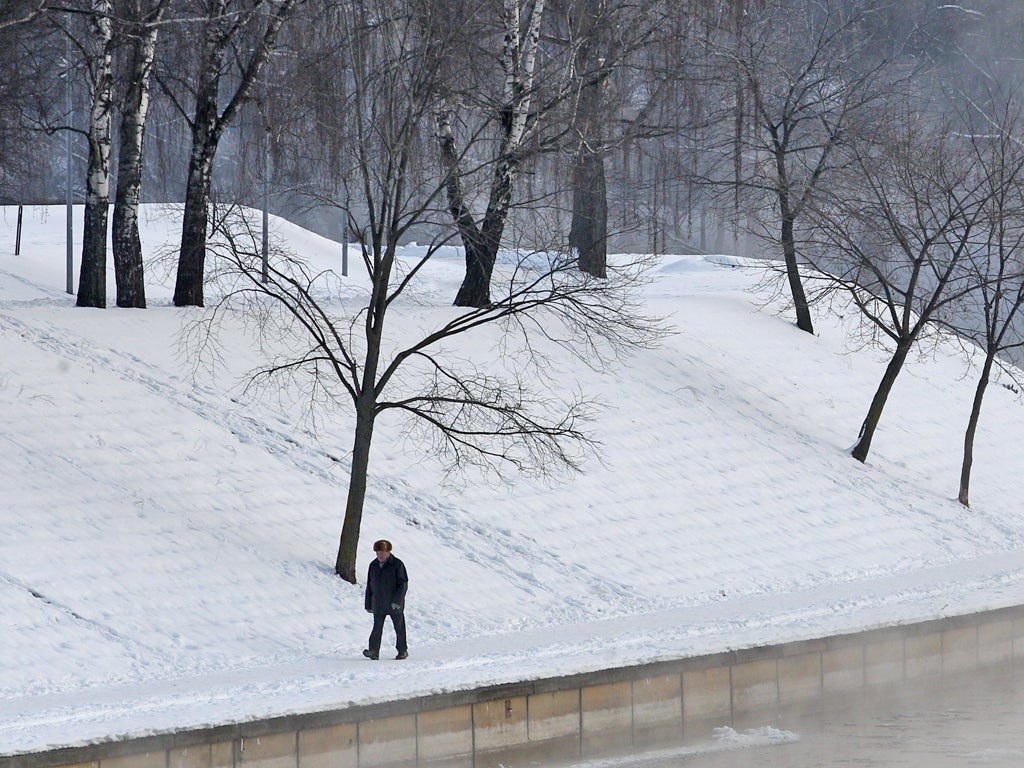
pixel 574 716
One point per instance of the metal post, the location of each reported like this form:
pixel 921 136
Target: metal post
pixel 70 228
pixel 266 215
pixel 344 238
pixel 17 237
pixel 265 110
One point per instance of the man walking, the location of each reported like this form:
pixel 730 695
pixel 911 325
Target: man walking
pixel 386 584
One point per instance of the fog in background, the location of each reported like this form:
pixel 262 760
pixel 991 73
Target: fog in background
pixel 684 98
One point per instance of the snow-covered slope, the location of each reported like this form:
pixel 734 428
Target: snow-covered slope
pixel 167 548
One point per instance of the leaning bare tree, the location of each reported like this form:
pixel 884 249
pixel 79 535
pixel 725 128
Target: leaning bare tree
pixel 898 234
pixel 348 354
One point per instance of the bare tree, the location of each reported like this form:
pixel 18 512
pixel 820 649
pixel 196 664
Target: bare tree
pixel 92 283
pixel 17 12
pixel 897 238
pixel 475 415
pixel 803 70
pixel 141 21
pixel 30 53
pixel 521 22
pixel 227 25
pixel 988 318
pixel 588 234
pixel 608 106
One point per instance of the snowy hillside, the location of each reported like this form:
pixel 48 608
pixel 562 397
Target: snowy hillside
pixel 167 549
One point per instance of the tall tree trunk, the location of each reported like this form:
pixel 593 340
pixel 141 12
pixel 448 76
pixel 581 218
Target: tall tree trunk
pixel 127 244
pixel 588 234
pixel 345 563
pixel 92 281
pixel 796 286
pixel 208 126
pixel 519 60
pixel 972 429
pixel 366 414
pixel 892 370
pixel 188 287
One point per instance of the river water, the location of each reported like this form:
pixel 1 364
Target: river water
pixel 960 722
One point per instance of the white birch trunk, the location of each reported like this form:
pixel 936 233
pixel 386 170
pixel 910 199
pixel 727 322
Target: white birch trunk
pixel 127 244
pixel 519 61
pixel 92 278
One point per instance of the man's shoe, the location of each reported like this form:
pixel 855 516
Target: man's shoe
pixel 370 654
pixel 402 655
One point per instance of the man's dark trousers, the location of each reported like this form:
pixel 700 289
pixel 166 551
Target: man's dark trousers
pixel 398 621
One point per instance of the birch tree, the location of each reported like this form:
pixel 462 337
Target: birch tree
pixel 92 284
pixel 481 237
pixel 141 21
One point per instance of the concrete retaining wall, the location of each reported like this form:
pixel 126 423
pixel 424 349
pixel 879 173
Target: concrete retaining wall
pixel 574 716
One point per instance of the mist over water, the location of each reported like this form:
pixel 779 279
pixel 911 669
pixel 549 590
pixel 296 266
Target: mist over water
pixel 960 721
pixel 966 720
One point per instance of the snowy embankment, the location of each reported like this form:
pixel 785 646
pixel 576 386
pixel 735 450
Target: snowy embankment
pixel 168 544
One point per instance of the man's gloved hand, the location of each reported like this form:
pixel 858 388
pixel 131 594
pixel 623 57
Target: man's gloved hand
pixel 396 607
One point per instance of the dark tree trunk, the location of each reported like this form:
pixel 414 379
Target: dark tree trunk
pixel 588 232
pixel 127 245
pixel 796 286
pixel 188 287
pixel 475 290
pixel 480 242
pixel 366 414
pixel 92 278
pixel 477 280
pixel 208 126
pixel 588 235
pixel 867 430
pixel 972 429
pixel 345 564
pixel 482 246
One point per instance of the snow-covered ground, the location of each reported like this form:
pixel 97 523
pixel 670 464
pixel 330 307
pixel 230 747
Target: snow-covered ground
pixel 167 548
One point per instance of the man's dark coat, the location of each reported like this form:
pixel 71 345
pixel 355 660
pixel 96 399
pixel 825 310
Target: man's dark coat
pixel 386 585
